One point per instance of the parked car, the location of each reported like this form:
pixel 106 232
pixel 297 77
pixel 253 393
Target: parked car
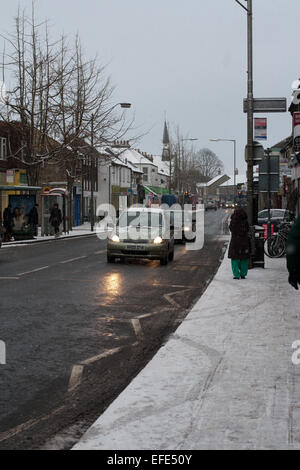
pixel 277 216
pixel 211 205
pixel 142 233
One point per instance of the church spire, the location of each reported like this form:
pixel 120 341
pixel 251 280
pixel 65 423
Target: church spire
pixel 166 140
pixel 166 144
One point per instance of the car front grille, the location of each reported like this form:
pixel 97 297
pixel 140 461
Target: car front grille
pixel 135 252
pixel 135 242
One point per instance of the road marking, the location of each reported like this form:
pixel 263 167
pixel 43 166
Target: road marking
pixel 29 424
pixel 8 278
pixel 75 378
pixel 72 259
pixel 101 252
pixel 137 328
pixel 77 369
pixel 184 267
pixel 33 271
pixel 172 301
pixel 107 353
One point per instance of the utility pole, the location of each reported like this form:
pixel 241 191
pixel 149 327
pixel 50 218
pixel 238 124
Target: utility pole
pixel 92 174
pixel 268 152
pixel 250 115
pixel 249 109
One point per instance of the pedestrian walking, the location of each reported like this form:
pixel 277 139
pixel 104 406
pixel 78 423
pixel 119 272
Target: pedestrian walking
pixel 239 248
pixel 55 219
pixel 7 223
pixel 34 219
pixel 293 254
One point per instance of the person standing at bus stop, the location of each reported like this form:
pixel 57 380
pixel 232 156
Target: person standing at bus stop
pixel 7 223
pixel 34 219
pixel 239 248
pixel 55 219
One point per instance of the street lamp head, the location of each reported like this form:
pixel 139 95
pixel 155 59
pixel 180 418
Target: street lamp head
pixel 125 105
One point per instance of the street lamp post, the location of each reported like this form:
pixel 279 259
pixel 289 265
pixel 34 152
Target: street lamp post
pixel 234 160
pixel 249 109
pixel 94 166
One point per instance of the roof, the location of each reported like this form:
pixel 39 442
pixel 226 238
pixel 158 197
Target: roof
pixel 239 179
pixel 132 155
pixel 220 179
pixel 124 159
pixel 163 166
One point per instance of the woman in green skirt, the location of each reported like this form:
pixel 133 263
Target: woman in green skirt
pixel 239 248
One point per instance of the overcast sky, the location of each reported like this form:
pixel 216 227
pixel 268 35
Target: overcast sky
pixel 188 59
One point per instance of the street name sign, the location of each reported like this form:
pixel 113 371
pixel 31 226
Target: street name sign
pixel 266 105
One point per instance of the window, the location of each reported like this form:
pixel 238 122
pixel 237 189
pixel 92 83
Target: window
pixel 3 148
pixel 145 175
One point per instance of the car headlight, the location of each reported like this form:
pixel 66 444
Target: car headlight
pixel 187 229
pixel 157 240
pixel 115 239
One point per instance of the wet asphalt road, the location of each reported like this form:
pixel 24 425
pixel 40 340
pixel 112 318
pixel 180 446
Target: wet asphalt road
pixel 77 330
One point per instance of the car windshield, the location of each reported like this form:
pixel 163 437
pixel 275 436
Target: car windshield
pixel 141 219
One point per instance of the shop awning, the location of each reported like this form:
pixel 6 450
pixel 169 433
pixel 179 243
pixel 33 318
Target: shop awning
pixel 19 188
pixel 157 191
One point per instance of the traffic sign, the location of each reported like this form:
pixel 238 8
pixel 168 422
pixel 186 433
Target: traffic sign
pixel 267 105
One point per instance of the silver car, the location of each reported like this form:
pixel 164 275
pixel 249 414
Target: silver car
pixel 142 233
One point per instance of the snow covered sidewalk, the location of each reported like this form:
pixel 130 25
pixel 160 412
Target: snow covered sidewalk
pixel 224 380
pixel 79 231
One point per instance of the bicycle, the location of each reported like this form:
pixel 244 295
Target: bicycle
pixel 274 246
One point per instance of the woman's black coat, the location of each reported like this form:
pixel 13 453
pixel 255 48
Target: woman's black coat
pixel 239 247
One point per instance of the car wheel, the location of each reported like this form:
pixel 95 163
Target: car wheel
pixel 171 255
pixel 164 260
pixel 110 259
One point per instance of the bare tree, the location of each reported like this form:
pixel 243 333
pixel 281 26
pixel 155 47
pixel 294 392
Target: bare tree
pixel 207 162
pixel 58 97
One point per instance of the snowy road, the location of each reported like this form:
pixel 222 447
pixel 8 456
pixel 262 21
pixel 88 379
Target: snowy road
pixel 77 330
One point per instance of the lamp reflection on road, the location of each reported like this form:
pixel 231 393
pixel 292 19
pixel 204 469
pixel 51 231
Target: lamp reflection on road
pixel 113 285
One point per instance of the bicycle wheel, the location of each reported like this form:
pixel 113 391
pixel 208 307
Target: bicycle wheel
pixel 274 247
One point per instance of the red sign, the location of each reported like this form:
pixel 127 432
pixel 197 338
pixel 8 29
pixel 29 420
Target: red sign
pixel 296 118
pixel 266 230
pixel 296 131
pixel 260 128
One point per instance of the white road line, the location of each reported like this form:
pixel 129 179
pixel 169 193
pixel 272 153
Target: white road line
pixel 75 378
pixel 33 271
pixel 101 252
pixel 172 301
pixel 7 278
pixel 107 353
pixel 137 328
pixel 77 369
pixel 72 259
pixel 32 422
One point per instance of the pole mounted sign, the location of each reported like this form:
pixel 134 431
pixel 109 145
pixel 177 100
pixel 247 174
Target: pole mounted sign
pixel 260 128
pixel 296 131
pixel 267 105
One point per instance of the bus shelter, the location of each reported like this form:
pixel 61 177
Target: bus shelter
pixel 58 196
pixel 21 199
